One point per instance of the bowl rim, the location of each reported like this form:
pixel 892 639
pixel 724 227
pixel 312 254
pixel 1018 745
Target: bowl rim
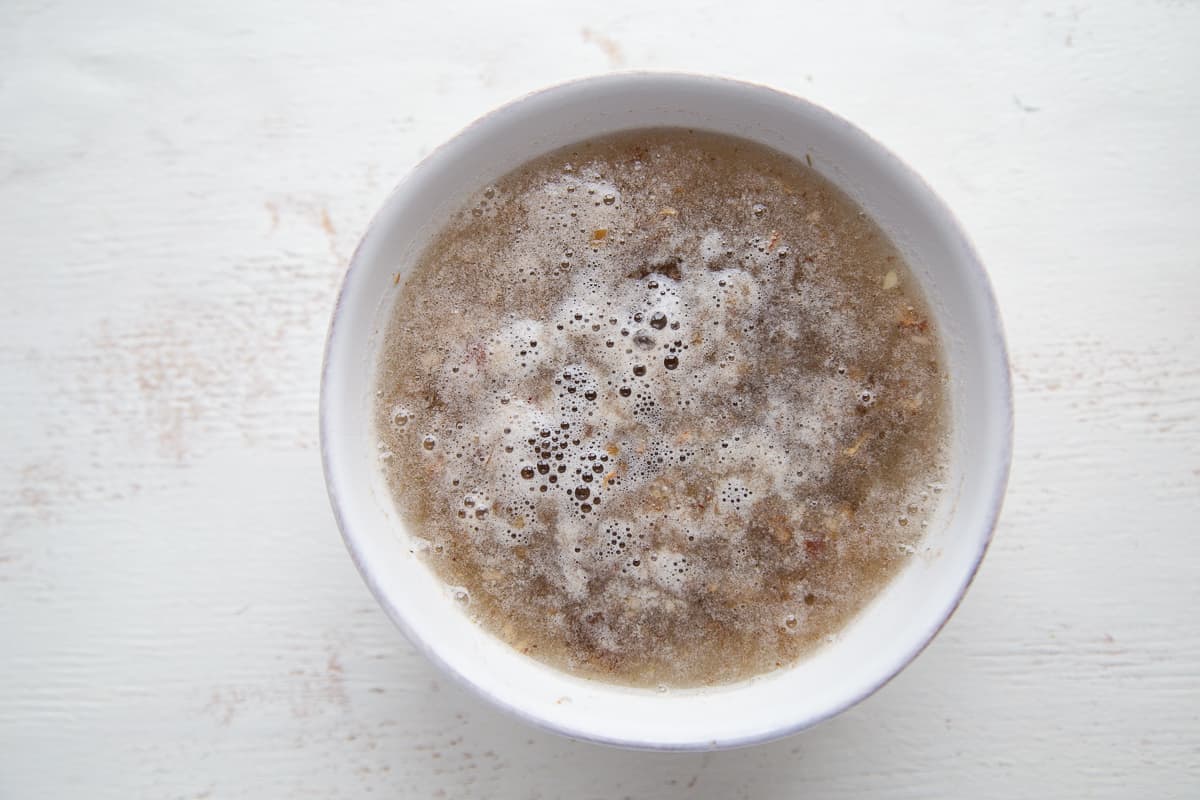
pixel 1002 459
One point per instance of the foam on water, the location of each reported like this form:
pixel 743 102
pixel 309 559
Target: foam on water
pixel 647 397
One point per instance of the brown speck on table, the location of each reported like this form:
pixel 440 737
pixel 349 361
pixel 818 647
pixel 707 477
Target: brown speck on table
pixel 608 46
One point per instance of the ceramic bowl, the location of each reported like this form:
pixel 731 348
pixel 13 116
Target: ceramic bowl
pixel 888 633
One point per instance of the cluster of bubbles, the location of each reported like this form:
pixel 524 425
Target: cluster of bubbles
pixel 735 493
pixel 569 411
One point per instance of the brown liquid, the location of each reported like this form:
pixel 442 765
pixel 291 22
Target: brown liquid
pixel 666 406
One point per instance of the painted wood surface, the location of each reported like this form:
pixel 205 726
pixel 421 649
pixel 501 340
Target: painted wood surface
pixel 180 188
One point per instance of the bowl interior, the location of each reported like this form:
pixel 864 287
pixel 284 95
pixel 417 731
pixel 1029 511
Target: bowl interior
pixel 901 620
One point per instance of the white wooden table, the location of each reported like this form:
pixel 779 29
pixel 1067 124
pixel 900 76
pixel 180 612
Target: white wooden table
pixel 180 191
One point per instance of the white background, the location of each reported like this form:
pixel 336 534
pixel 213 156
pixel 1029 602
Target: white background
pixel 180 190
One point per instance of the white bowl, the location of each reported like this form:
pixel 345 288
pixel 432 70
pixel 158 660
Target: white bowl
pixel 889 633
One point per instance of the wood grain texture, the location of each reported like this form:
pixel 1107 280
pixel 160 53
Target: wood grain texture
pixel 180 189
